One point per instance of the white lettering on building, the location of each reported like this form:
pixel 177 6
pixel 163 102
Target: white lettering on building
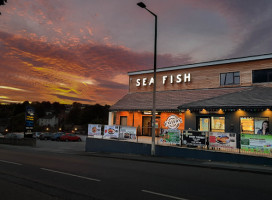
pixel 173 122
pixel 179 78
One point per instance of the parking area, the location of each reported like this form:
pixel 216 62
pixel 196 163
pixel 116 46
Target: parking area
pixel 62 147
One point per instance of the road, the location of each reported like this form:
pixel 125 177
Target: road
pixel 60 173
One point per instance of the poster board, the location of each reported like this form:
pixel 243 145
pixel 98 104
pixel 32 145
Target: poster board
pixel 94 129
pixel 111 131
pixel 170 136
pixel 194 138
pixel 225 140
pixel 128 132
pixel 256 143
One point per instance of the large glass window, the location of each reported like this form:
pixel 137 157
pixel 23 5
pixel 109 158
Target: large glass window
pixel 213 123
pixel 218 124
pixel 230 78
pixel 261 76
pixel 254 125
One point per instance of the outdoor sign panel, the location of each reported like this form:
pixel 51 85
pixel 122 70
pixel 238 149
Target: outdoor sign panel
pixel 226 140
pixel 111 131
pixel 94 129
pixel 170 136
pixel 29 118
pixel 127 132
pixel 256 143
pixel 194 138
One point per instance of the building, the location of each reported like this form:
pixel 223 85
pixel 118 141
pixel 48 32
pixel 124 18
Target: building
pixel 48 121
pixel 232 95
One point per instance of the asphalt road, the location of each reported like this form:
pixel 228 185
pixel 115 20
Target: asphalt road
pixel 54 171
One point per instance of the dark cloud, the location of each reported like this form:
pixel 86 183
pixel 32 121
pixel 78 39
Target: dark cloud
pixel 75 99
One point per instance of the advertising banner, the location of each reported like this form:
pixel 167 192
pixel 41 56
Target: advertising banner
pixel 94 129
pixel 194 138
pixel 127 132
pixel 225 140
pixel 170 136
pixel 256 143
pixel 111 131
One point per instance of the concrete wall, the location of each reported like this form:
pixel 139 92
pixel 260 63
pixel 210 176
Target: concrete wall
pixel 115 146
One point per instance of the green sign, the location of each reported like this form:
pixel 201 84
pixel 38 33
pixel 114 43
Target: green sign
pixel 171 136
pixel 256 143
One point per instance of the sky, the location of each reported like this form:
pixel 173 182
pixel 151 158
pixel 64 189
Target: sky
pixel 81 50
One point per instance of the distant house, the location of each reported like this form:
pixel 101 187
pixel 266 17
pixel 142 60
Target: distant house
pixel 48 120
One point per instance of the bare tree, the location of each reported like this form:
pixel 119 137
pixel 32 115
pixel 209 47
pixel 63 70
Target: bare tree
pixel 3 2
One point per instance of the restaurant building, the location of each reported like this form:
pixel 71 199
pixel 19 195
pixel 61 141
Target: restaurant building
pixel 232 95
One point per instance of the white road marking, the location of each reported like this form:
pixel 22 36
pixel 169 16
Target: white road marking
pixel 164 195
pixel 14 163
pixel 50 170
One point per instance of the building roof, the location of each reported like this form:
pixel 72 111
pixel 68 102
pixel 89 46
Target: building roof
pixel 169 100
pixel 253 97
pixel 205 64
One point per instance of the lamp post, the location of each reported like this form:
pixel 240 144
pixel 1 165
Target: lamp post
pixel 142 5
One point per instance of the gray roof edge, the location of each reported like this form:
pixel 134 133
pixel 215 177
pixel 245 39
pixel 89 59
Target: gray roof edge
pixel 204 64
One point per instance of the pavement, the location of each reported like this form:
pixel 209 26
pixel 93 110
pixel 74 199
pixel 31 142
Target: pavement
pixel 261 169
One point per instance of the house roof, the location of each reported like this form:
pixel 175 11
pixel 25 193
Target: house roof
pixel 169 100
pixel 205 64
pixel 253 97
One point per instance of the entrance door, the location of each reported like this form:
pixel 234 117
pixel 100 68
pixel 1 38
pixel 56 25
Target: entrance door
pixel 147 125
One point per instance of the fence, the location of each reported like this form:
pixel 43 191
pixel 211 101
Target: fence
pixel 257 145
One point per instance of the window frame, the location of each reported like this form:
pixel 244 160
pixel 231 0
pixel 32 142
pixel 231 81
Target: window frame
pixel 234 77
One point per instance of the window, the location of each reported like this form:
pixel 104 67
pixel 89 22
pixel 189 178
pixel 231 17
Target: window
pixel 253 125
pixel 123 121
pixel 218 124
pixel 230 78
pixel 261 76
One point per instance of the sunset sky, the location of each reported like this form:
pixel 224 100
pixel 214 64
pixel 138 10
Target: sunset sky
pixel 81 50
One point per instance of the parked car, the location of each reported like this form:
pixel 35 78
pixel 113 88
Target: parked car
pixel 1 135
pixel 36 134
pixel 70 137
pixel 56 136
pixel 45 136
pixel 14 135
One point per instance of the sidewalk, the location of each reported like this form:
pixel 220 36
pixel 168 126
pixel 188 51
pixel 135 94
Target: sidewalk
pixel 187 162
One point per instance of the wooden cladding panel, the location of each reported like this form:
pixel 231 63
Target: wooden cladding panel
pixel 201 77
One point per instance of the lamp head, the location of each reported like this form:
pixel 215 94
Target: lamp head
pixel 141 4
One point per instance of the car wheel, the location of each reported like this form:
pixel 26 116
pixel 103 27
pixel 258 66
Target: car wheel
pixel 79 140
pixel 66 140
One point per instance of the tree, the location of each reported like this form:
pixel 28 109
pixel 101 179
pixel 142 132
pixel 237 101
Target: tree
pixel 2 2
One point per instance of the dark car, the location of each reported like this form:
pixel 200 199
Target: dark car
pixel 56 136
pixel 70 137
pixel 45 136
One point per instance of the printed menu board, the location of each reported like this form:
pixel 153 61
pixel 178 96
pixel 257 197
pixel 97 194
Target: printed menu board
pixel 128 132
pixel 94 129
pixel 194 138
pixel 111 131
pixel 226 140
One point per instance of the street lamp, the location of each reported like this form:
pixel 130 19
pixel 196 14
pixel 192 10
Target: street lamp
pixel 142 5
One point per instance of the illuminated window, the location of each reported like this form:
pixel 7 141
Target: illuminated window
pixel 218 124
pixel 230 78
